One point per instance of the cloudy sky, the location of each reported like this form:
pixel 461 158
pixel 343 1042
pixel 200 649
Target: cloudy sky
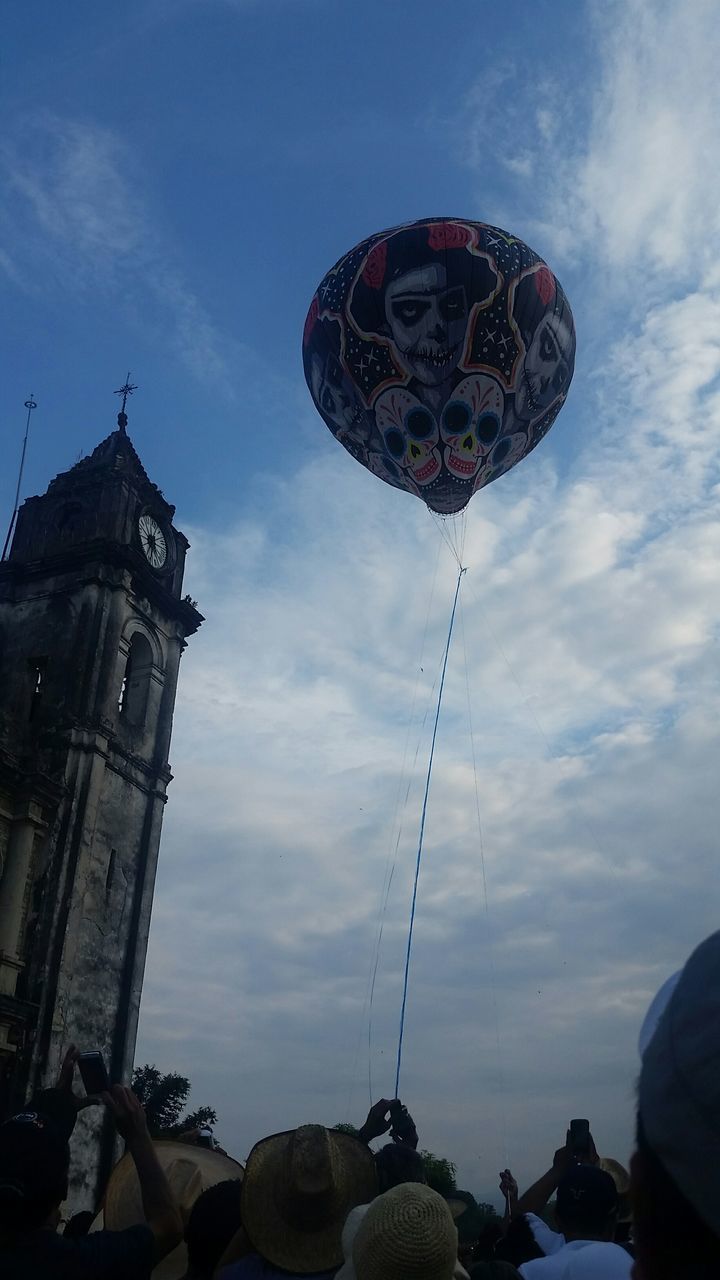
pixel 176 177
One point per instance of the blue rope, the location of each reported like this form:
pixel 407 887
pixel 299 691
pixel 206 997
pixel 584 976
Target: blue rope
pixel 422 833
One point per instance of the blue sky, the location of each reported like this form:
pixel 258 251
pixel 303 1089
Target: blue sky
pixel 176 178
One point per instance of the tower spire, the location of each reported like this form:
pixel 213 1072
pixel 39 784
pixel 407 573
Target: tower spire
pixel 124 391
pixel 29 405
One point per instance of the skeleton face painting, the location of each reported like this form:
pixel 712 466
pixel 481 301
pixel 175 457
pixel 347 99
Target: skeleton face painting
pixel 439 354
pixel 470 424
pixel 427 321
pixel 334 396
pixel 545 374
pixel 411 435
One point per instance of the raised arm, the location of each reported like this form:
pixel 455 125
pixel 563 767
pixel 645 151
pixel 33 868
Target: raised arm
pixel 161 1212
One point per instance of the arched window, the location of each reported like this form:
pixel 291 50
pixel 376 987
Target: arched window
pixel 132 702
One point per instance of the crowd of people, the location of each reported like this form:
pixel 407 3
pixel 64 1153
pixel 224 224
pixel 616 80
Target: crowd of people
pixel 319 1203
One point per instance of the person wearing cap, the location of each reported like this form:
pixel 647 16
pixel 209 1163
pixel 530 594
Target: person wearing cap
pixel 34 1168
pixel 586 1212
pixel 298 1189
pixel 675 1171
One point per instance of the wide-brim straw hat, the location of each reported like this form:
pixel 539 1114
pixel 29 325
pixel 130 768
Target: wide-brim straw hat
pixel 298 1189
pixel 407 1234
pixel 189 1169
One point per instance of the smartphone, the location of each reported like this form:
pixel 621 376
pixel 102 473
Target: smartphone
pixel 580 1138
pixel 93 1073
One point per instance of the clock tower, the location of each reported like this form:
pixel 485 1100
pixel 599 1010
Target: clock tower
pixel 92 626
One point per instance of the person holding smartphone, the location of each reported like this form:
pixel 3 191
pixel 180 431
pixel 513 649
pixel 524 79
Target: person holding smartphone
pixel 34 1168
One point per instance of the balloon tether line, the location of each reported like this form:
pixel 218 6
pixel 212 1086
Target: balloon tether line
pixel 423 816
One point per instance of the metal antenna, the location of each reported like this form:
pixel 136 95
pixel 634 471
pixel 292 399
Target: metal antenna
pixel 125 391
pixel 29 405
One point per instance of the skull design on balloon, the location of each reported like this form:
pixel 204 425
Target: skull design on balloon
pixel 546 370
pixel 427 321
pixel 411 435
pixel 470 424
pixel 439 353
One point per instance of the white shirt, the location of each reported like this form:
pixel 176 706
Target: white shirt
pixel 545 1238
pixel 581 1260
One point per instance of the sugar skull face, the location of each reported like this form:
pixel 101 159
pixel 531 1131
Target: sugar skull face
pixel 545 374
pixel 410 433
pixel 508 450
pixel 470 424
pixel 386 470
pixel 334 394
pixel 427 321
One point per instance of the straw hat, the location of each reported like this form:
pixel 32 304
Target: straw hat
pixel 407 1234
pixel 298 1189
pixel 190 1170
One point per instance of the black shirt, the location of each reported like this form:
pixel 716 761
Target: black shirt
pixel 102 1255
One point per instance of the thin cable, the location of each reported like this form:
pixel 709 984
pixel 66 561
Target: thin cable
pixel 391 859
pixel 422 832
pixel 440 522
pixel 481 843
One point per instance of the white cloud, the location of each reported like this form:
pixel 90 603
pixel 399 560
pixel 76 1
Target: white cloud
pixel 74 220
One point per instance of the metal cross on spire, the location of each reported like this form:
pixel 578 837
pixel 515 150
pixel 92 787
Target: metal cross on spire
pixel 124 391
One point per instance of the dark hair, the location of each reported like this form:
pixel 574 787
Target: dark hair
pixel 213 1221
pixel 518 1244
pixel 671 1239
pixel 407 249
pixel 396 1163
pixel 79 1224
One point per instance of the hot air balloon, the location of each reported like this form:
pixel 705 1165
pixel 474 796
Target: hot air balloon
pixel 439 353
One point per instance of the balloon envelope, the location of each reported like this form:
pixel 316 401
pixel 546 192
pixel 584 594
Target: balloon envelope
pixel 439 353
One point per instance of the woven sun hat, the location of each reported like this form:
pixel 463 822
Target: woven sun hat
pixel 298 1189
pixel 189 1169
pixel 407 1234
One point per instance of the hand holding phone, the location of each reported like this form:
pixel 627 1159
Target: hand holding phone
pixel 93 1073
pixel 579 1139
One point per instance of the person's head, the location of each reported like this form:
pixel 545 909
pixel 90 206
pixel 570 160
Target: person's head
pixel 518 1244
pixel 213 1221
pixel 408 1233
pixel 298 1189
pixel 587 1204
pixel 675 1172
pixel 34 1166
pixel 79 1224
pixel 397 1163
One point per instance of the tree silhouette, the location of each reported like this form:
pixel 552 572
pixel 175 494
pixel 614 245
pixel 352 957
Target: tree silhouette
pixel 164 1097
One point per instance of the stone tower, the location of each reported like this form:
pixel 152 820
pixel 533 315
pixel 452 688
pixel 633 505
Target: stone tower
pixel 92 626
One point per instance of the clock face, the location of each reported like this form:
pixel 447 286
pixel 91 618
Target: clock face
pixel 152 541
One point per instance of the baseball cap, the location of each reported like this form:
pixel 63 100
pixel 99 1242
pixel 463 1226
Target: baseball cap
pixel 34 1158
pixel 586 1195
pixel 679 1092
